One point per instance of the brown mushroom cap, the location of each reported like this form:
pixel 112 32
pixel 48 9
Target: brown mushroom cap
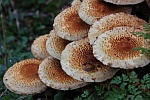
pixel 51 73
pixel 124 2
pixel 92 10
pixel 110 21
pixel 38 47
pixel 78 61
pixel 22 77
pixel 115 48
pixel 69 26
pixel 55 45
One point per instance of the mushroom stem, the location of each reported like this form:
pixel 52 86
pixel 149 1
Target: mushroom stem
pixel 4 36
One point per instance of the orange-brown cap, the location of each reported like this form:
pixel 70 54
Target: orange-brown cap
pixel 111 21
pixel 69 26
pixel 124 2
pixel 78 61
pixel 51 73
pixel 55 44
pixel 115 48
pixel 22 77
pixel 92 10
pixel 38 47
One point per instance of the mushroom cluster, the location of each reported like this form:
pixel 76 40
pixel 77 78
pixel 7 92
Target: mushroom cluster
pixel 90 41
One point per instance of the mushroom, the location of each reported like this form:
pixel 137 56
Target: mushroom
pixel 124 2
pixel 110 21
pixel 51 74
pixel 22 77
pixel 115 48
pixel 55 44
pixel 78 61
pixel 92 10
pixel 69 26
pixel 38 47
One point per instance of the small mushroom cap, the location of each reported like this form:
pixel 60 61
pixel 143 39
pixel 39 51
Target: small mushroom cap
pixel 78 61
pixel 92 10
pixel 111 21
pixel 115 48
pixel 69 26
pixel 51 73
pixel 55 45
pixel 22 77
pixel 124 2
pixel 38 47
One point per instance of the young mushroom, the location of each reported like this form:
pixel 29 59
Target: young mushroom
pixel 124 2
pixel 68 25
pixel 111 21
pixel 38 47
pixel 92 10
pixel 55 45
pixel 78 61
pixel 115 48
pixel 51 74
pixel 22 77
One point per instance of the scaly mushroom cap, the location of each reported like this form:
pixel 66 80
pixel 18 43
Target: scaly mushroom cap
pixel 124 2
pixel 51 73
pixel 69 26
pixel 55 45
pixel 38 47
pixel 115 48
pixel 111 21
pixel 22 77
pixel 78 61
pixel 92 10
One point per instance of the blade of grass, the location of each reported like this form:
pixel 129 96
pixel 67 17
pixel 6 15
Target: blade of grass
pixel 4 36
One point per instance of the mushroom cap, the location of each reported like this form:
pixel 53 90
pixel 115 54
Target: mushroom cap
pixel 124 2
pixel 115 48
pixel 51 73
pixel 76 2
pixel 55 45
pixel 78 61
pixel 68 25
pixel 110 21
pixel 22 77
pixel 92 10
pixel 38 47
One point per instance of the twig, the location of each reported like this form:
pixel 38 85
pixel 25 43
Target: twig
pixel 31 14
pixel 3 93
pixel 21 97
pixel 48 1
pixel 5 46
